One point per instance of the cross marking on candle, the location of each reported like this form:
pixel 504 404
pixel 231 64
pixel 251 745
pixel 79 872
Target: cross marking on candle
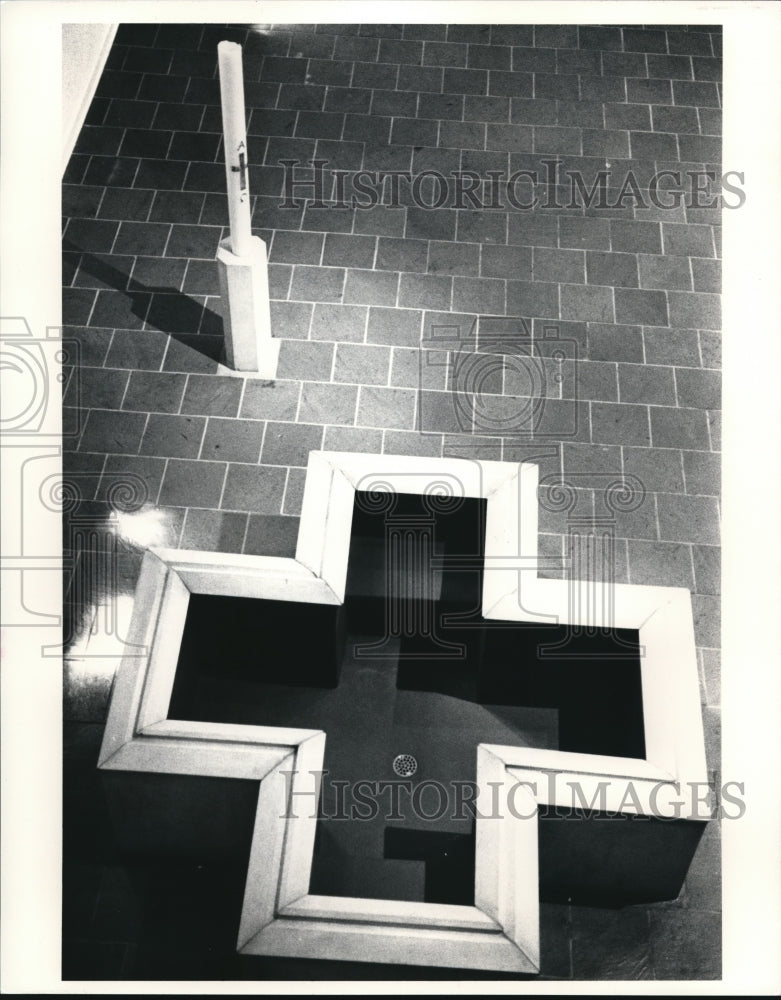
pixel 242 169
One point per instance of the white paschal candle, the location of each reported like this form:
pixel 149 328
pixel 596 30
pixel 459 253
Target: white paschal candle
pixel 234 130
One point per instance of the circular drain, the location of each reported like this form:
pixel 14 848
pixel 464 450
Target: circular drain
pixel 405 765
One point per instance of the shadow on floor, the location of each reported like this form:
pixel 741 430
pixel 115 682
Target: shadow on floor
pixel 163 307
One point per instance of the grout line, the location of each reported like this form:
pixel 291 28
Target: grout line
pixel 690 546
pixel 167 239
pixel 222 489
pixel 100 203
pixel 298 403
pixel 241 397
pixel 200 455
pixel 656 516
pixel 262 441
pixel 245 534
pixel 143 434
pixel 186 387
pixel 127 386
pixel 699 349
pixel 92 307
pixel 675 386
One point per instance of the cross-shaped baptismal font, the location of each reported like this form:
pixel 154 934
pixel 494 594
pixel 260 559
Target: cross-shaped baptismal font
pixel 439 740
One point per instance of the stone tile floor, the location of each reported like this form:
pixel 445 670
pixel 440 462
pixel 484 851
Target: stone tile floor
pixel 383 313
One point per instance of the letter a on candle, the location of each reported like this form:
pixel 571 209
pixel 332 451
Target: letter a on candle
pixel 235 141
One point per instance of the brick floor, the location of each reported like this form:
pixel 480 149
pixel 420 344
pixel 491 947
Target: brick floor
pixel 378 307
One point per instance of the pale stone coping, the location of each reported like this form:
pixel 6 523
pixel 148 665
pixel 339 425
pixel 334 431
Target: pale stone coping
pixel 142 689
pixel 500 932
pixel 279 917
pixel 674 737
pixel 333 477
